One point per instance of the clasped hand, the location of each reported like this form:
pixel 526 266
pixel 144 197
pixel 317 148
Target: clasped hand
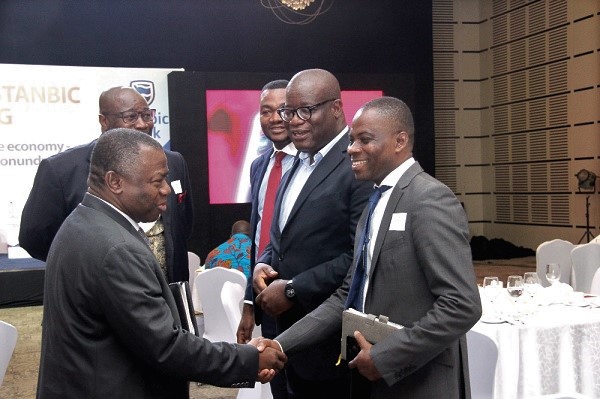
pixel 270 291
pixel 270 358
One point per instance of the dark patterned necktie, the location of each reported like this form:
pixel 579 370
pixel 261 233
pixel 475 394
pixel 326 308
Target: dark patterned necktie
pixel 355 295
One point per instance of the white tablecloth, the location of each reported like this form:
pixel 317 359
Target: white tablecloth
pixel 556 350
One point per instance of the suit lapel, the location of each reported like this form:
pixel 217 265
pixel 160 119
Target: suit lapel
pixel 95 203
pixel 328 164
pixel 391 206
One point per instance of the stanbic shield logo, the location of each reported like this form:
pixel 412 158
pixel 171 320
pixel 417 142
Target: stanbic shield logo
pixel 145 88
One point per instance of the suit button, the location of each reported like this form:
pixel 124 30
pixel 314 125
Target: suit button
pixel 281 258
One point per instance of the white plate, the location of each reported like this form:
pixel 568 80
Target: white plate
pixel 581 303
pixel 489 320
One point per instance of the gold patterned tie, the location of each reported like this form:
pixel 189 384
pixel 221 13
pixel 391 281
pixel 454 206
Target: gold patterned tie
pixel 156 235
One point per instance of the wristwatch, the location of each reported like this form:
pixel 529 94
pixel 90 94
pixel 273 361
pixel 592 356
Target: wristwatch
pixel 290 293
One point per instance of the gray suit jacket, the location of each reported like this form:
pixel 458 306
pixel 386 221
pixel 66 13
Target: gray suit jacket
pixel 422 278
pixel 111 329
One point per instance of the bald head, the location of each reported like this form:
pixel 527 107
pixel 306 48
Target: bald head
pixel 241 226
pixel 320 81
pixel 118 101
pixel 318 93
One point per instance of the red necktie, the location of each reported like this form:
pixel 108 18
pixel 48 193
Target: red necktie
pixel 267 214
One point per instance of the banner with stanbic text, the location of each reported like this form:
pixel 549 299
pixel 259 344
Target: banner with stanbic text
pixel 45 110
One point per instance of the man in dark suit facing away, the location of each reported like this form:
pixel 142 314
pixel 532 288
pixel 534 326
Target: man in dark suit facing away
pixel 61 182
pixel 318 205
pixel 111 327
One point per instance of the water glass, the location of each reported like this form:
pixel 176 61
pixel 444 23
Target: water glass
pixel 553 273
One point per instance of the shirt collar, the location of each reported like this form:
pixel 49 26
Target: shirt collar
pixel 394 176
pixel 289 149
pixel 130 220
pixel 305 157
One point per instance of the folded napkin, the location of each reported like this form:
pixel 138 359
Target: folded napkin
pixel 557 293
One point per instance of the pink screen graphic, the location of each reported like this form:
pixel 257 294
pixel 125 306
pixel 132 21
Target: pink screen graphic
pixel 235 139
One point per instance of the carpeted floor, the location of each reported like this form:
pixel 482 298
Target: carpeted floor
pixel 21 377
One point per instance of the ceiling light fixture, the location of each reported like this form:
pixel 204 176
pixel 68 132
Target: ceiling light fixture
pixel 297 12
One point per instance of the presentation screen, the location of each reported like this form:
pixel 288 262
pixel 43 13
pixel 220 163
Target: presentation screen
pixel 235 138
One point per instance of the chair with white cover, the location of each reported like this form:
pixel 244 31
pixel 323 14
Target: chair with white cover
pixel 595 288
pixel 554 251
pixel 193 265
pixel 232 297
pixel 483 356
pixel 8 341
pixel 207 287
pixel 586 260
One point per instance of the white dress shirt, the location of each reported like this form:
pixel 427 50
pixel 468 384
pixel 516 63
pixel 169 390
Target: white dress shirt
pixel 390 180
pixel 303 172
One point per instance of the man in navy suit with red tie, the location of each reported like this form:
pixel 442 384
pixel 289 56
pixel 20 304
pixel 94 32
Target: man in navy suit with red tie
pixel 265 170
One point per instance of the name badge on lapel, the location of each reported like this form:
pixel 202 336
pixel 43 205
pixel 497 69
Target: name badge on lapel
pixel 176 185
pixel 398 222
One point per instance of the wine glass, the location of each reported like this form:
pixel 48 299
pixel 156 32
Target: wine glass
pixel 491 289
pixel 531 282
pixel 515 286
pixel 553 272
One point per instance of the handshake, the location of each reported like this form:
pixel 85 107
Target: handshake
pixel 271 359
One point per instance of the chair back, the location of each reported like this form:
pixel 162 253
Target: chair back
pixel 555 251
pixel 232 297
pixel 483 356
pixel 193 265
pixel 586 261
pixel 208 287
pixel 8 341
pixel 595 288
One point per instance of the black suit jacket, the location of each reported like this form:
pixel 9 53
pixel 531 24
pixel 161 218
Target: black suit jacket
pixel 111 328
pixel 59 186
pixel 315 247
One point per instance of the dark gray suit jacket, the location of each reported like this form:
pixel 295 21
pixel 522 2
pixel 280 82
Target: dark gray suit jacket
pixel 421 277
pixel 111 329
pixel 315 247
pixel 59 186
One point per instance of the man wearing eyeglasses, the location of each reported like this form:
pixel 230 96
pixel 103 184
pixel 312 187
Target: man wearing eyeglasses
pixel 312 233
pixel 61 181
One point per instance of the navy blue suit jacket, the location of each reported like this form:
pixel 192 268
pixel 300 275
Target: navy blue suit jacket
pixel 257 173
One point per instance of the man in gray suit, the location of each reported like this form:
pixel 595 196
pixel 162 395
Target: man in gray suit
pixel 111 327
pixel 418 270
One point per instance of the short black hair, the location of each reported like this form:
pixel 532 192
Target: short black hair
pixel 276 84
pixel 117 150
pixel 395 110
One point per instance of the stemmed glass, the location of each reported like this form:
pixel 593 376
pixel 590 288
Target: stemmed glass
pixel 553 272
pixel 491 289
pixel 514 286
pixel 531 282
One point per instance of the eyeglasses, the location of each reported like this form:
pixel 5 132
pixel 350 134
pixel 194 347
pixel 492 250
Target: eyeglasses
pixel 130 117
pixel 304 113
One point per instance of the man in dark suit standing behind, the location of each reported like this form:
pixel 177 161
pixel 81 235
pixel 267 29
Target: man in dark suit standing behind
pixel 282 153
pixel 416 269
pixel 317 208
pixel 61 181
pixel 111 327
